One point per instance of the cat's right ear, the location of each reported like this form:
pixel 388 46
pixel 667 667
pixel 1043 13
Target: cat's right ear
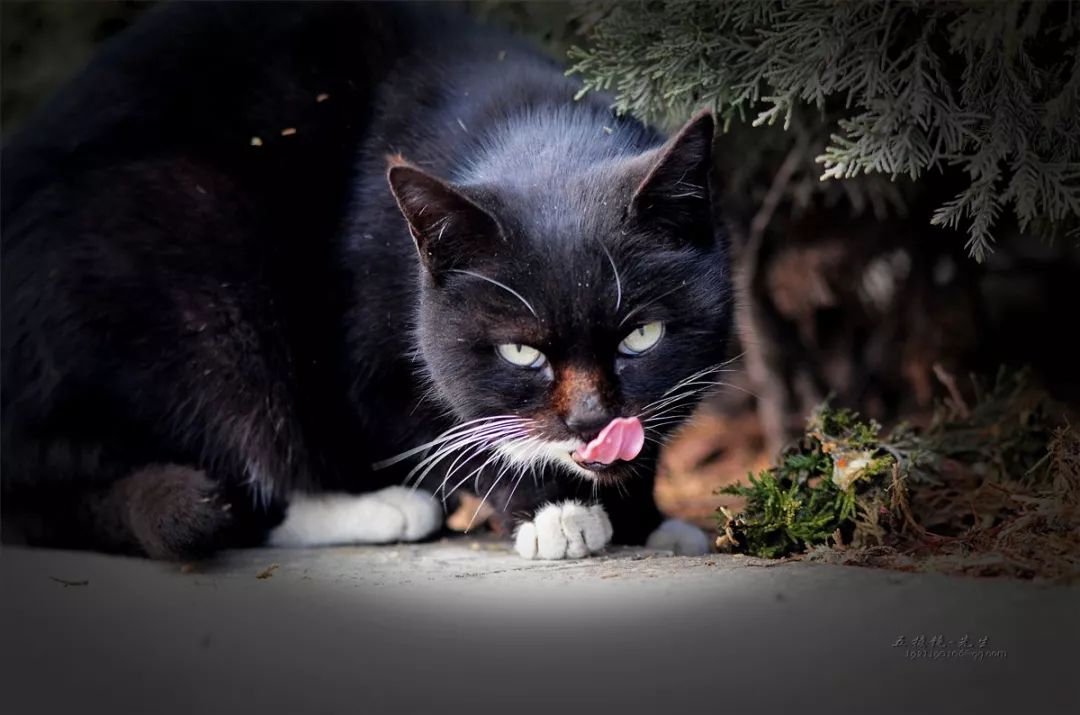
pixel 448 227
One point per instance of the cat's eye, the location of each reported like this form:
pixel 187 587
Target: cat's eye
pixel 642 339
pixel 521 355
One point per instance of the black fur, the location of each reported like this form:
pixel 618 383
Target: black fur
pixel 194 326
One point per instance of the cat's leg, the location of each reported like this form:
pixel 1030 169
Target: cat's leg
pixel 577 528
pixel 164 511
pixel 565 530
pixel 172 512
pixel 564 523
pixel 638 521
pixel 678 536
pixel 391 514
pixel 152 340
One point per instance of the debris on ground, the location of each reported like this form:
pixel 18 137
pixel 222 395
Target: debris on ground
pixel 472 512
pixel 268 571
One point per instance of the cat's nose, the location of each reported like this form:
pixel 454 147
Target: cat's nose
pixel 587 419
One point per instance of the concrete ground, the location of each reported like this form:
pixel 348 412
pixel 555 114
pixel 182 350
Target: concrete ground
pixel 465 625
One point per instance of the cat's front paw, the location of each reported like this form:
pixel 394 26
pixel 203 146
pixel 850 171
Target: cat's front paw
pixel 385 516
pixel 421 513
pixel 569 530
pixel 678 536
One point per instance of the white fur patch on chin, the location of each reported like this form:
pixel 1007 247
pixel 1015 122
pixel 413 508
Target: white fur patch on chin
pixel 388 515
pixel 678 536
pixel 570 530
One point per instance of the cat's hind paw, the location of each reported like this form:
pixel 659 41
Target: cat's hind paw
pixel 569 530
pixel 678 536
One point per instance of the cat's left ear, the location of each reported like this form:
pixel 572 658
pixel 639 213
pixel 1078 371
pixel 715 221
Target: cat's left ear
pixel 449 228
pixel 675 190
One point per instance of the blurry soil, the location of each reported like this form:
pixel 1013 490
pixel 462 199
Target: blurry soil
pixel 712 451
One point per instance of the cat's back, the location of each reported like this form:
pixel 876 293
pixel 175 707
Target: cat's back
pixel 169 216
pixel 217 82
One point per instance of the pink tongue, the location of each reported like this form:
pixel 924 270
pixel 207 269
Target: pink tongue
pixel 621 439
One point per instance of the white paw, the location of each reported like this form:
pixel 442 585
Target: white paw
pixel 678 536
pixel 569 530
pixel 422 514
pixel 391 514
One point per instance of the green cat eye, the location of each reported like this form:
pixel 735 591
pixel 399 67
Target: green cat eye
pixel 521 355
pixel 642 339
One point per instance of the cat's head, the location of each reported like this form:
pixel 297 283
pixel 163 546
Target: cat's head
pixel 552 305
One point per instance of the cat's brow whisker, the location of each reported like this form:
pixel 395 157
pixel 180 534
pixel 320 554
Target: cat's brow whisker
pixel 618 282
pixel 442 228
pixel 654 300
pixel 505 287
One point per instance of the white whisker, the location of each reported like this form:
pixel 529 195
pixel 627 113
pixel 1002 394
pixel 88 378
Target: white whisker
pixel 479 446
pixel 673 399
pixel 476 472
pixel 514 488
pixel 430 462
pixel 449 434
pixel 651 302
pixel 505 287
pixel 483 500
pixel 618 282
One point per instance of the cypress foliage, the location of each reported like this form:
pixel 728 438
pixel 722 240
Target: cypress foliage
pixel 903 87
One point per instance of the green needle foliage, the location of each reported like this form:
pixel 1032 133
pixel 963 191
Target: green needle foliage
pixel 901 87
pixel 994 484
pixel 803 501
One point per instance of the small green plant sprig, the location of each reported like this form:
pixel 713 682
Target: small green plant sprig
pixel 809 498
pixel 991 486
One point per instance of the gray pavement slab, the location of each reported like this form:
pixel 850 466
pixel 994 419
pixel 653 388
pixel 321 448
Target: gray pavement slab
pixel 466 625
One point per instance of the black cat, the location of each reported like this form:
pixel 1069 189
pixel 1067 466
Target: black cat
pixel 217 329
